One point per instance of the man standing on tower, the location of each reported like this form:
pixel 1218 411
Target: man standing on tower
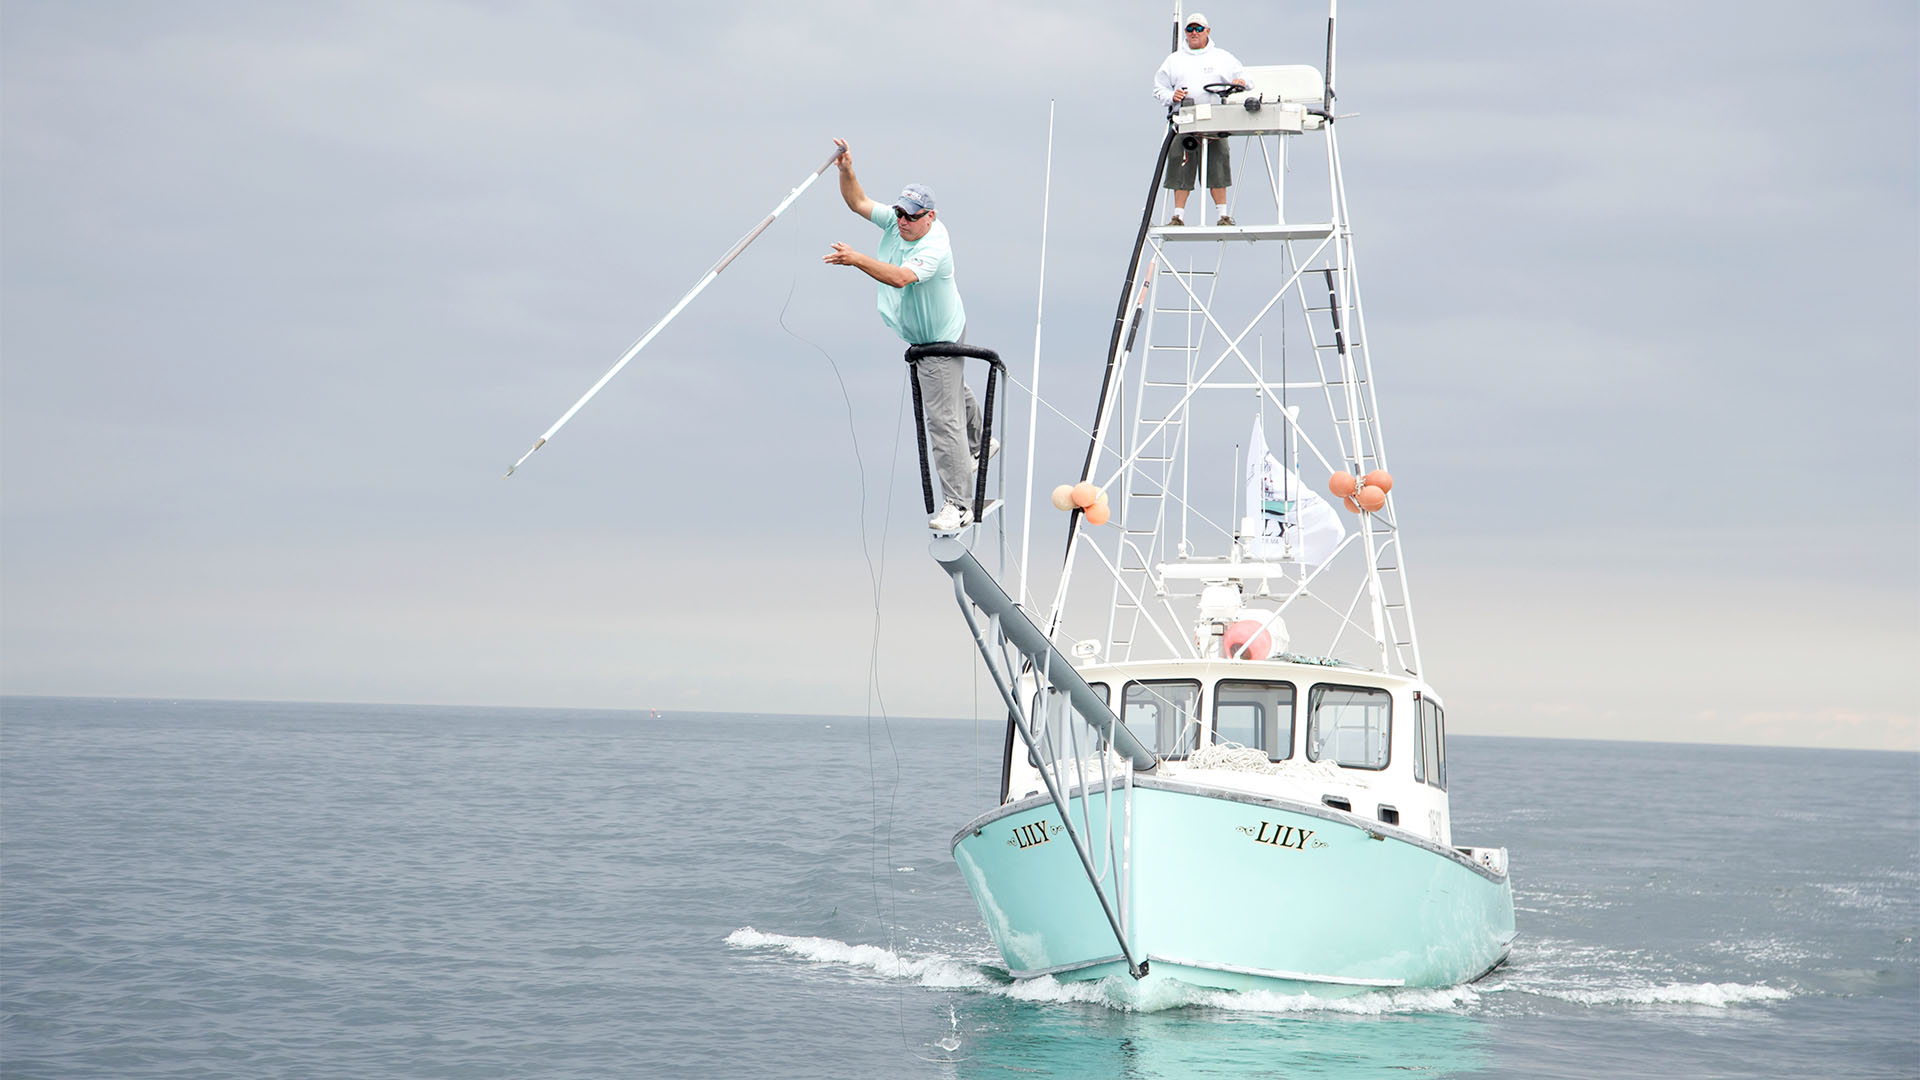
pixel 1182 79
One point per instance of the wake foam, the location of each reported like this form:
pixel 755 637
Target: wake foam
pixel 1594 975
pixel 1713 995
pixel 1120 994
pixel 939 972
pixel 1156 995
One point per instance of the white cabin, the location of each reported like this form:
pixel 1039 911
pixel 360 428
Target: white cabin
pixel 1356 741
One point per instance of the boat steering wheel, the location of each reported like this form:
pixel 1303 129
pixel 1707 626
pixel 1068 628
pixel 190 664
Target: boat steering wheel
pixel 1224 89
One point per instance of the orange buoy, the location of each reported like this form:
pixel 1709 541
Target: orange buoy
pixel 1098 513
pixel 1342 484
pixel 1063 497
pixel 1085 494
pixel 1372 498
pixel 1381 479
pixel 1352 507
pixel 1246 640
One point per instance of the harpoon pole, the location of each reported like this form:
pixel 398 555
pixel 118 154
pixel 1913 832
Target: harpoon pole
pixel 731 255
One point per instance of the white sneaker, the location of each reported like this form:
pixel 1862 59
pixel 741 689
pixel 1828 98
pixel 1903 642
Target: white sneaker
pixel 993 447
pixel 952 518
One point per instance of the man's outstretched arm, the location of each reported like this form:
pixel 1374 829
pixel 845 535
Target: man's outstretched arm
pixel 850 189
pixel 883 272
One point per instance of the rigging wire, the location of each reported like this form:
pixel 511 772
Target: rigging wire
pixel 882 843
pixel 880 858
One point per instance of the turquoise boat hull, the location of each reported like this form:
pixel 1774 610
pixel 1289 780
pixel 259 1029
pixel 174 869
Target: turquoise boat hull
pixel 1232 891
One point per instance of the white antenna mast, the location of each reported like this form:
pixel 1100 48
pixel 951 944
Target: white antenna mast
pixel 1033 398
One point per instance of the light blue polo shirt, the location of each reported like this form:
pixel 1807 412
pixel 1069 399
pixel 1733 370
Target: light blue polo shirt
pixel 928 310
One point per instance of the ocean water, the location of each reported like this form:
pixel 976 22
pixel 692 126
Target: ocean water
pixel 224 889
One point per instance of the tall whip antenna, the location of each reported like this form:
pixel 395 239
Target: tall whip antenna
pixel 1033 410
pixel 1326 103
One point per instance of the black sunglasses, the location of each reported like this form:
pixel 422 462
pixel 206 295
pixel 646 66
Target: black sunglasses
pixel 1193 28
pixel 904 216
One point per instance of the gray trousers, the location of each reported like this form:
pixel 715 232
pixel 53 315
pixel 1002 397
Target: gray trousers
pixel 1183 165
pixel 943 389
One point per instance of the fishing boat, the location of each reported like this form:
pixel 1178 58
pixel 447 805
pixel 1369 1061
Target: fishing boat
pixel 1224 764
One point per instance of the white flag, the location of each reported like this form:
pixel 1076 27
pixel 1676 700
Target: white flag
pixel 1295 522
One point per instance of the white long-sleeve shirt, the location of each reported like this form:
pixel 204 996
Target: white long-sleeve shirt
pixel 1192 70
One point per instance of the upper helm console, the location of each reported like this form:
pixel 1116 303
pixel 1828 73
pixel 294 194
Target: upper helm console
pixel 1275 102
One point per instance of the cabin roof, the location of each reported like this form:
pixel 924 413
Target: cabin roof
pixel 1214 669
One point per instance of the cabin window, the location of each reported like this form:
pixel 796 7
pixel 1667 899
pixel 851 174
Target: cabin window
pixel 1164 714
pixel 1051 711
pixel 1349 725
pixel 1419 742
pixel 1256 714
pixel 1433 739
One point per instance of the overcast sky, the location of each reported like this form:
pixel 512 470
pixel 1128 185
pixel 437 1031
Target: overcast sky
pixel 285 287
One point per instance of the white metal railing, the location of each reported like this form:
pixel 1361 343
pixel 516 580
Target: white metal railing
pixel 1153 472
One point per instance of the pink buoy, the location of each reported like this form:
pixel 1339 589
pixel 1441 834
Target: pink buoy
pixel 1085 494
pixel 1250 634
pixel 1342 484
pixel 1371 498
pixel 1379 478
